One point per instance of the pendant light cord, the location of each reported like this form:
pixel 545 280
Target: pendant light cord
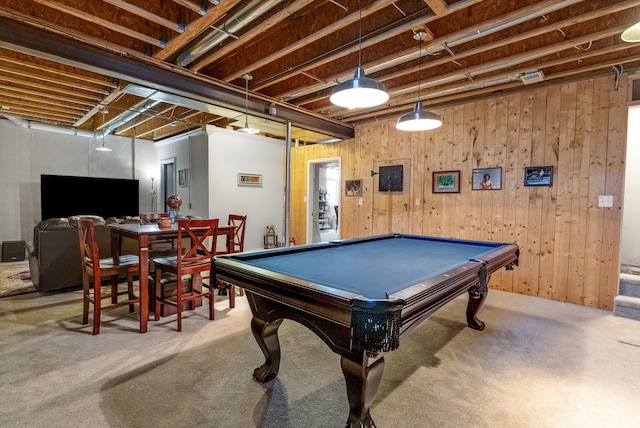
pixel 246 101
pixel 360 36
pixel 420 34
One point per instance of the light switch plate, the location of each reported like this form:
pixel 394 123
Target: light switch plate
pixel 605 201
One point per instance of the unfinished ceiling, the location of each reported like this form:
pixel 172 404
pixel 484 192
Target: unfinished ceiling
pixel 156 69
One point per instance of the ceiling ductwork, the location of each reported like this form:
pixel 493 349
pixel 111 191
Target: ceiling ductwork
pixel 219 34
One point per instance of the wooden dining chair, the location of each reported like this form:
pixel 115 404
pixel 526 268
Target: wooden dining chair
pixel 95 269
pixel 200 236
pixel 235 242
pixel 160 247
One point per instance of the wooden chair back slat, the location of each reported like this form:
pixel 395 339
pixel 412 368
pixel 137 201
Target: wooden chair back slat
pixel 239 223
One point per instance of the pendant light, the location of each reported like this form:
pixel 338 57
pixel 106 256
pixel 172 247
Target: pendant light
pixel 103 148
pixel 361 91
pixel 418 119
pixel 631 34
pixel 246 129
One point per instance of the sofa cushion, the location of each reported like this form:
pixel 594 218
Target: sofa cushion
pixel 97 220
pixel 53 224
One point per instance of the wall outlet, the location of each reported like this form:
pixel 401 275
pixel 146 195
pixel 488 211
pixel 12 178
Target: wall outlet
pixel 605 201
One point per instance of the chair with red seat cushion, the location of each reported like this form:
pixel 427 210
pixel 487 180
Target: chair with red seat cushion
pixel 93 267
pixel 199 238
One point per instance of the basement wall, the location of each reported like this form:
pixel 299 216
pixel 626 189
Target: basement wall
pixel 569 247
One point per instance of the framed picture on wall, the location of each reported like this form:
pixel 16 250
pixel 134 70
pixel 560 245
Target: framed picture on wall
pixel 182 177
pixel 446 182
pixel 538 176
pixel 249 179
pixel 353 188
pixel 487 179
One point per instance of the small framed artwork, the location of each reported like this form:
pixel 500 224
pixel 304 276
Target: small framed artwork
pixel 487 179
pixel 353 188
pixel 182 177
pixel 249 179
pixel 538 176
pixel 446 182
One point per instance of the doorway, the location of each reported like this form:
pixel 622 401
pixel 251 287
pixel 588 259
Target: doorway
pixel 167 183
pixel 629 248
pixel 323 201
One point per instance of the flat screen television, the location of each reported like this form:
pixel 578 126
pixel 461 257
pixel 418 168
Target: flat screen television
pixel 64 196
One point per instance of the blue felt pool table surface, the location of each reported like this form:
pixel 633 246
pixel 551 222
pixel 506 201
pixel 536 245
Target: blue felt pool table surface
pixel 373 268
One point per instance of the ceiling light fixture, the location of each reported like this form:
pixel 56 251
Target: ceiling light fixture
pixel 631 34
pixel 246 128
pixel 103 148
pixel 418 119
pixel 361 91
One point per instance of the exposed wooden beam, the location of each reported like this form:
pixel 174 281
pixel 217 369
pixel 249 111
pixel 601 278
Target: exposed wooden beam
pixel 178 28
pixel 196 28
pixel 142 70
pixel 255 31
pixel 101 22
pixel 439 7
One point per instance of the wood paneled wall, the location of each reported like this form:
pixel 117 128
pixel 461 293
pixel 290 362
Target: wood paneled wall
pixel 568 245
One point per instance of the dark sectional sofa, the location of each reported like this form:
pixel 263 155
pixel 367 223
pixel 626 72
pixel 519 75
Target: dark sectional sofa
pixel 54 253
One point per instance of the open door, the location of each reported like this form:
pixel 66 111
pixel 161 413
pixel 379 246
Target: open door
pixel 323 196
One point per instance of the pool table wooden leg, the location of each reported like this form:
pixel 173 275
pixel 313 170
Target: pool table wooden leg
pixel 477 295
pixel 362 386
pixel 266 334
pixel 472 310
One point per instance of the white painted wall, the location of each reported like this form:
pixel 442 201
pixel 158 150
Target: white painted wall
pixel 230 153
pixel 190 153
pixel 630 242
pixel 26 153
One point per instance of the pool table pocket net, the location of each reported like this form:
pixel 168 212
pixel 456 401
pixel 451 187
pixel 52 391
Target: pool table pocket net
pixel 375 325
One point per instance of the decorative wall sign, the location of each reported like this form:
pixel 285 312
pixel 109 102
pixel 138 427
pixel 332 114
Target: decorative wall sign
pixel 353 188
pixel 446 182
pixel 538 176
pixel 182 177
pixel 249 179
pixel 487 179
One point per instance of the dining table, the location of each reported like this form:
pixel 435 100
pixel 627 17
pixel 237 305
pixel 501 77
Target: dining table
pixel 145 234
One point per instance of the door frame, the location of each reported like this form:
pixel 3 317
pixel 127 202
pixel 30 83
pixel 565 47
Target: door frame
pixel 164 185
pixel 313 167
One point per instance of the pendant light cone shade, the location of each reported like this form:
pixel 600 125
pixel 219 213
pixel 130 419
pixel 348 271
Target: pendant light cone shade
pixel 418 120
pixel 247 130
pixel 631 34
pixel 103 148
pixel 359 92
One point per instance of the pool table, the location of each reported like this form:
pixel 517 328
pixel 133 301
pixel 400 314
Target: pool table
pixel 360 296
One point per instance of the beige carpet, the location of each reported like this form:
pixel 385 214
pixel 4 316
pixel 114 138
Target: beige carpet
pixel 15 278
pixel 538 364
